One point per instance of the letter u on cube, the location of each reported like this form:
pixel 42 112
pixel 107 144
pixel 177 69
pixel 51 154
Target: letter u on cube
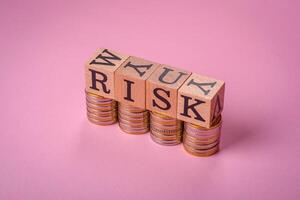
pixel 145 84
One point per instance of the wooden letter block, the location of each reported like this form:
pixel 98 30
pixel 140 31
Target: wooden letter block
pixel 162 88
pixel 99 72
pixel 200 100
pixel 130 81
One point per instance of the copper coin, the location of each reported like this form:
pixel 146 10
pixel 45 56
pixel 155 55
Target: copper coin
pixel 130 126
pixel 130 108
pixel 165 142
pixel 101 112
pixel 133 124
pixel 132 114
pixel 131 130
pixel 102 122
pixel 161 115
pixel 165 131
pixel 89 109
pixel 163 126
pixel 200 140
pixel 168 137
pixel 156 119
pixel 215 124
pixel 101 118
pixel 200 146
pixel 132 119
pixel 100 101
pixel 97 98
pixel 202 132
pixel 203 153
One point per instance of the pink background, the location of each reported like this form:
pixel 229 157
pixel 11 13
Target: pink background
pixel 48 149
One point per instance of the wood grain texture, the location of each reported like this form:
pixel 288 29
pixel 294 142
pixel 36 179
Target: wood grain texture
pixel 100 72
pixel 200 100
pixel 162 87
pixel 130 81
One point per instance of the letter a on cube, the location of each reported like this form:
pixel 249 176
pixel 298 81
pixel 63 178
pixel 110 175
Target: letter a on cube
pixel 100 72
pixel 200 100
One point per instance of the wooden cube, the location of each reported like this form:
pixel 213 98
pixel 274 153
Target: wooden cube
pixel 99 72
pixel 200 100
pixel 130 81
pixel 162 87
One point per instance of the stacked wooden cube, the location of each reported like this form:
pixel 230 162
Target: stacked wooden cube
pixel 192 98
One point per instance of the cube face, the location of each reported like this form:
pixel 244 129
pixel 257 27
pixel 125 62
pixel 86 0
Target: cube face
pixel 200 100
pixel 162 87
pixel 100 72
pixel 217 104
pixel 130 81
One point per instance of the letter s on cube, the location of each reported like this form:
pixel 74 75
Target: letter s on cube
pixel 200 100
pixel 162 87
pixel 100 72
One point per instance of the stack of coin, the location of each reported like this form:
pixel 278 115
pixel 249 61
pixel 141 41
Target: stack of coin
pixel 101 110
pixel 133 120
pixel 165 130
pixel 200 141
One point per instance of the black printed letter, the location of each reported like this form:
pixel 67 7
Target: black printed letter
pixel 167 70
pixel 95 80
pixel 186 108
pixel 136 67
pixel 155 92
pixel 202 84
pixel 128 97
pixel 217 109
pixel 106 58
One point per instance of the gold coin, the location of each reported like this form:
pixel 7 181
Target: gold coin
pixel 165 142
pixel 161 115
pixel 101 118
pixel 133 115
pixel 165 123
pixel 200 132
pixel 215 124
pixel 205 153
pixel 101 106
pixel 133 130
pixel 98 122
pixel 133 124
pixel 164 137
pixel 166 131
pixel 101 115
pixel 99 100
pixel 200 140
pixel 130 108
pixel 163 126
pixel 93 95
pixel 200 146
pixel 104 111
pixel 133 119
pixel 100 110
